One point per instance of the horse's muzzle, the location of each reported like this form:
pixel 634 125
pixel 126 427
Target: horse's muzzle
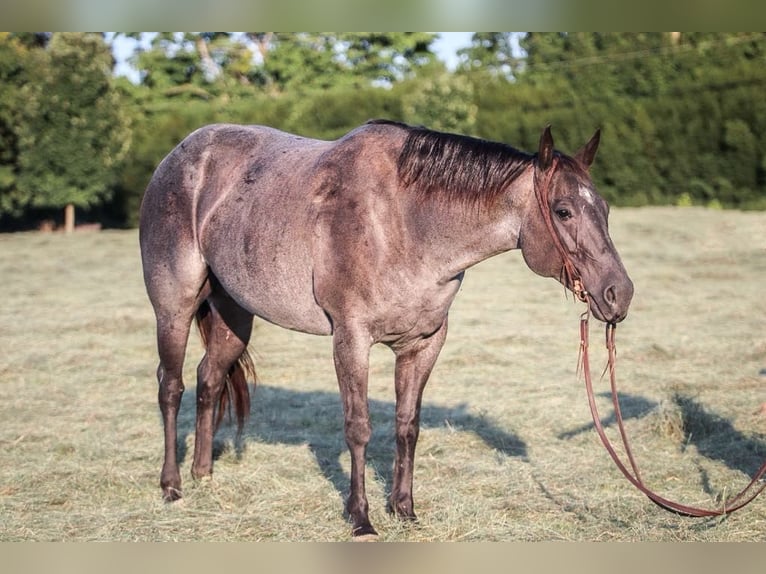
pixel 611 304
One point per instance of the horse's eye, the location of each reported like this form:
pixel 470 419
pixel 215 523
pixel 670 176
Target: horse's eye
pixel 563 214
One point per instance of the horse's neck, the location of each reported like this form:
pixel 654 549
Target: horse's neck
pixel 457 237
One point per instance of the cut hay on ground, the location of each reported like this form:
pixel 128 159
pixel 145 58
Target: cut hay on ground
pixel 507 450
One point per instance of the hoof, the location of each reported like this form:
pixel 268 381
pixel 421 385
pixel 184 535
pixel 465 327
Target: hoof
pixel 202 474
pixel 364 533
pixel 366 537
pixel 404 514
pixel 170 494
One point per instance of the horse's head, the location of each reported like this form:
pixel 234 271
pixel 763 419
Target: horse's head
pixel 568 206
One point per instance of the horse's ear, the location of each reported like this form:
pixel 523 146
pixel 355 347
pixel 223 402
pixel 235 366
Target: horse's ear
pixel 587 153
pixel 545 153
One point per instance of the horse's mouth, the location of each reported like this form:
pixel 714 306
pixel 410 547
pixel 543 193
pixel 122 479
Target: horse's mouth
pixel 609 301
pixel 614 314
pixel 597 305
pixel 612 320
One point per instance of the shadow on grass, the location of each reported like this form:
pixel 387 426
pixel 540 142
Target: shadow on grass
pixel 713 436
pixel 315 418
pixel 717 439
pixel 631 406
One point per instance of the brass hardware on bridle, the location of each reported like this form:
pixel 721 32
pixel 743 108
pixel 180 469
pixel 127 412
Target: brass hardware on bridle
pixel 579 290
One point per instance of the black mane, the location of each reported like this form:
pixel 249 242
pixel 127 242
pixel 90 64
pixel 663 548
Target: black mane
pixel 460 168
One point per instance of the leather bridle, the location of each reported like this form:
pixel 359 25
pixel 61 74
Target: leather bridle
pixel 542 193
pixel 573 280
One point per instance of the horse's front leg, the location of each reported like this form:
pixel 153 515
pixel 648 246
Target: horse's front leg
pixel 413 367
pixel 351 352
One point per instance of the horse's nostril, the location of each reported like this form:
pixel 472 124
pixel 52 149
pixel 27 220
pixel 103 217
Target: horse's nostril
pixel 610 295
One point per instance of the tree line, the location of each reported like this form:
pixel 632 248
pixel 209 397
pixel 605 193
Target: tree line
pixel 682 115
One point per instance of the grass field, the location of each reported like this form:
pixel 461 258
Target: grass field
pixel 507 451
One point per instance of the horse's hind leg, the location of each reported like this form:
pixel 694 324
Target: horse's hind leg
pixel 172 335
pixel 175 292
pixel 226 329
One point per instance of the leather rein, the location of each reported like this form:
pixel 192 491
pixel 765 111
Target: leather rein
pixel 573 280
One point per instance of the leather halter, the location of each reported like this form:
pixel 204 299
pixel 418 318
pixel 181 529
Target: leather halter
pixel 572 279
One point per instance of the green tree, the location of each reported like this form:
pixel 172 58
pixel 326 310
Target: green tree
pixel 386 57
pixel 202 63
pixel 300 61
pixel 72 133
pixel 442 101
pixel 682 115
pixel 491 52
pixel 306 61
pixel 683 111
pixel 12 57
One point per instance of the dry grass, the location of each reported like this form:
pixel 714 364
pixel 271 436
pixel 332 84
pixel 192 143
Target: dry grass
pixel 507 450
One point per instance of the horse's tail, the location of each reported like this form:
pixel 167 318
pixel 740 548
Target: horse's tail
pixel 235 391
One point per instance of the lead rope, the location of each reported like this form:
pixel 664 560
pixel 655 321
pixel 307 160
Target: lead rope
pixel 729 505
pixel 572 279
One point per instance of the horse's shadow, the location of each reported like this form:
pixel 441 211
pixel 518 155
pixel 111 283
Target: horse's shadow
pixel 713 435
pixel 315 418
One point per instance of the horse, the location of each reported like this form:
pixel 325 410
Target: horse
pixel 365 239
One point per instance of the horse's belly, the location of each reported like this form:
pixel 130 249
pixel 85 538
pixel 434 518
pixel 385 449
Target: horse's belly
pixel 271 276
pixel 264 261
pixel 287 302
pixel 290 312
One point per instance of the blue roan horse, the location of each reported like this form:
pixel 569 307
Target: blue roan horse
pixel 365 239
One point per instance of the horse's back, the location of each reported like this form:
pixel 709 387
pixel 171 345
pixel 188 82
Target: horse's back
pixel 248 200
pixel 264 164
